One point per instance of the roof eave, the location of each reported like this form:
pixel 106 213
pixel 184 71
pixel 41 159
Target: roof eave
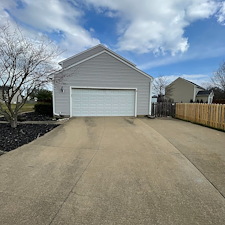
pixel 99 45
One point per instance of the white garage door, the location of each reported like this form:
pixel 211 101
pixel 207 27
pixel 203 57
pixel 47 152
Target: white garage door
pixel 103 102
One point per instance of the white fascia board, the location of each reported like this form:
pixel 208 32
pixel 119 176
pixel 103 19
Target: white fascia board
pixel 119 56
pixel 61 62
pixel 113 55
pixel 100 45
pixel 75 64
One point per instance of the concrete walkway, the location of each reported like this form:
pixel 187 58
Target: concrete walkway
pixel 105 171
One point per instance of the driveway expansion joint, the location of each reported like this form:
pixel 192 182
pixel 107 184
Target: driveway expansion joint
pixel 73 187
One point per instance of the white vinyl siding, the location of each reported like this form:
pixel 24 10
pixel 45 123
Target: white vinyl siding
pixel 102 102
pixel 102 71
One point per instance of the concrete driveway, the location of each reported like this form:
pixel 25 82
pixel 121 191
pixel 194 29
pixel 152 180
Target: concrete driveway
pixel 204 147
pixel 105 171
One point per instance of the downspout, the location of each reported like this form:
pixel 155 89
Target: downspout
pixel 150 97
pixel 53 93
pixel 53 98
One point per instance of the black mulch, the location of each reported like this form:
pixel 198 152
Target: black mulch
pixel 31 116
pixel 12 138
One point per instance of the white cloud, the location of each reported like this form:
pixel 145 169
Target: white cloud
pixel 221 14
pixel 53 16
pixel 145 26
pixel 201 9
pixel 158 25
pixel 3 14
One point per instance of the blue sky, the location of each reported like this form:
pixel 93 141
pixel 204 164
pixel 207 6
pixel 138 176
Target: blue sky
pixel 162 37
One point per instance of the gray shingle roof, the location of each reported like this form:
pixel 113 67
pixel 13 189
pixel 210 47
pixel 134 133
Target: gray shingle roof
pixel 203 93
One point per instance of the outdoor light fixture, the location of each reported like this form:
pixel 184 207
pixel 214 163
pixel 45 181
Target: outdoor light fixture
pixel 62 90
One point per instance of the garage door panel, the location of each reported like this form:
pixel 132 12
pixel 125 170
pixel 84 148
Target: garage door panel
pixel 100 102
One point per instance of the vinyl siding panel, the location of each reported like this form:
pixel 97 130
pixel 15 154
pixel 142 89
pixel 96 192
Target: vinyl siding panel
pixel 82 56
pixel 102 71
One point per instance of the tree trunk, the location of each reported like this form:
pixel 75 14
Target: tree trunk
pixel 13 122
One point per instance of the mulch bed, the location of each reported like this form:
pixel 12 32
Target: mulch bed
pixel 31 116
pixel 12 138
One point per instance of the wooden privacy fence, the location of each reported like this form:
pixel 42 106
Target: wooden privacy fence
pixel 161 109
pixel 212 115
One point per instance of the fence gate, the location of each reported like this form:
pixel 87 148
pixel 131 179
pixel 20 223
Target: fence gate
pixel 161 109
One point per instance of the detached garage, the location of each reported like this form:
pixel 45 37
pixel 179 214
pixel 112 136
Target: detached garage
pixel 99 82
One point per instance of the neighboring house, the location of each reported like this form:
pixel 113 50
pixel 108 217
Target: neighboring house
pixel 185 91
pixel 205 96
pixel 15 97
pixel 99 82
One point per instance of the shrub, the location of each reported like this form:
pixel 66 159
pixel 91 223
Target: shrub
pixel 219 101
pixel 44 96
pixel 44 109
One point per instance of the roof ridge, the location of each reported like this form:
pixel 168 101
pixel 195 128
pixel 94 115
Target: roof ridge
pixel 192 83
pixel 99 45
pixel 79 53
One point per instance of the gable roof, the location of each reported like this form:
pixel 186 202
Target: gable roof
pixel 94 50
pixel 188 82
pixel 193 83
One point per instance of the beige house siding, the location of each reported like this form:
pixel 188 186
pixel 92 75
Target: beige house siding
pixel 181 91
pixel 203 98
pixel 185 91
pixel 14 100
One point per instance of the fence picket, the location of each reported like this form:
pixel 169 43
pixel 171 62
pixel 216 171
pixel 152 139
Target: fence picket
pixel 212 115
pixel 161 109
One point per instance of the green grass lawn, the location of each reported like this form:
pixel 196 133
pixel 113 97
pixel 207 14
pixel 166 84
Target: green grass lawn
pixel 28 107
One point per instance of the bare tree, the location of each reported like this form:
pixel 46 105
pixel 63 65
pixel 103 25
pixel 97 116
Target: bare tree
pixel 161 87
pixel 25 65
pixel 160 84
pixel 169 92
pixel 219 77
